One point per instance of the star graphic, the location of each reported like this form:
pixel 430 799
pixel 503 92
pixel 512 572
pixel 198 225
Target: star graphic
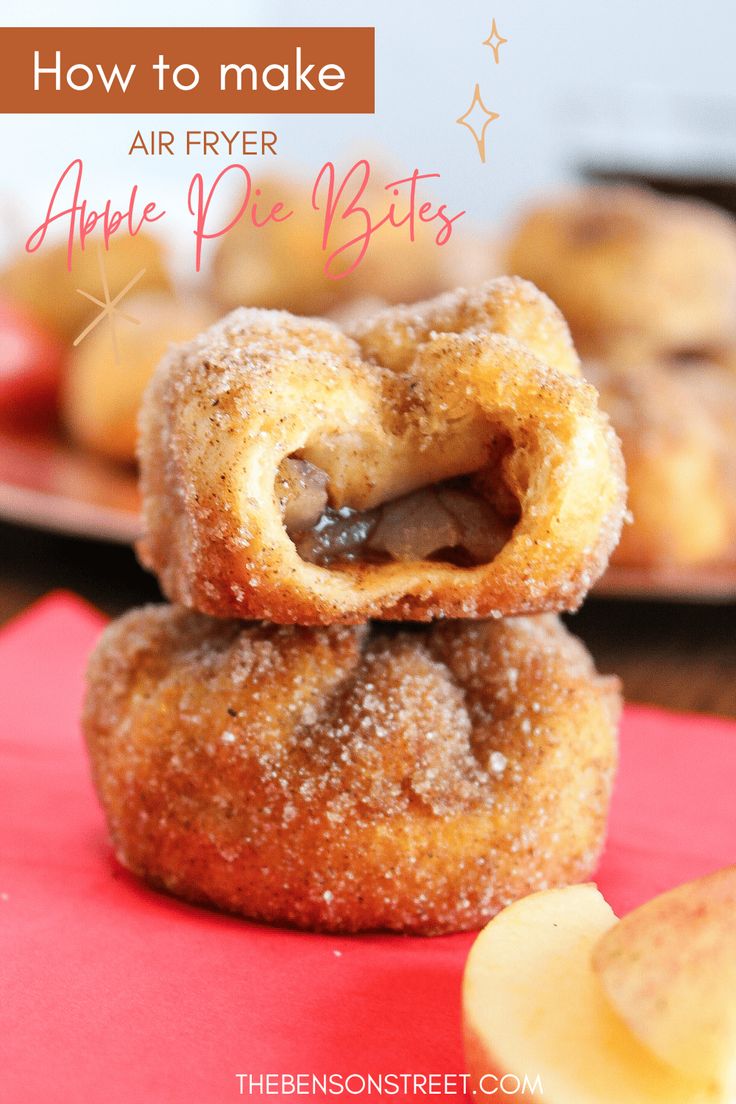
pixel 109 306
pixel 495 40
pixel 479 109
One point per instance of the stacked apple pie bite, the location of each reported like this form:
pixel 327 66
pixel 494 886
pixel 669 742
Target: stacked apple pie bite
pixel 261 745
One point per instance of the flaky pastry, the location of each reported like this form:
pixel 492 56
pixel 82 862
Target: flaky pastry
pixel 445 460
pixel 351 778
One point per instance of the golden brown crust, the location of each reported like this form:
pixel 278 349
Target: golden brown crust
pixel 677 425
pixel 416 397
pixel 351 778
pixel 509 307
pixel 627 266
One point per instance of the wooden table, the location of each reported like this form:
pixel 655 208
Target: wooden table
pixel 676 655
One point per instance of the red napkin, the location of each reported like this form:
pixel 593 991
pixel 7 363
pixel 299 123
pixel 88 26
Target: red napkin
pixel 112 993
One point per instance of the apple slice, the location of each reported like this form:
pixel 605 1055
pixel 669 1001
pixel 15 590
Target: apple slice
pixel 537 1023
pixel 669 970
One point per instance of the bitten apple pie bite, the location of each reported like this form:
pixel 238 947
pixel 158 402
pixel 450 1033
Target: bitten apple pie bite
pixel 444 460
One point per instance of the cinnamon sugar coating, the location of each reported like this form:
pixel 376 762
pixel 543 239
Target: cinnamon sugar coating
pixel 482 384
pixel 351 778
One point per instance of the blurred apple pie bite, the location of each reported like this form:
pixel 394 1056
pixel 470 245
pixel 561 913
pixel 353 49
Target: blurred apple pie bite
pixel 108 372
pixel 648 286
pixel 49 291
pixel 281 265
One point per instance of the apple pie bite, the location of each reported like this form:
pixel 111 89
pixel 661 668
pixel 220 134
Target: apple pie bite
pixel 347 778
pixel 444 460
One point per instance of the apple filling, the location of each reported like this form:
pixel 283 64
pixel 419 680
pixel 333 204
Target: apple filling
pixel 464 521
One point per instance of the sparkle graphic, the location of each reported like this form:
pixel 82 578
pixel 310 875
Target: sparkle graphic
pixel 110 308
pixel 477 119
pixel 495 40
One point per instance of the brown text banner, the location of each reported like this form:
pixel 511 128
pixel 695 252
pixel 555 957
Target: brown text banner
pixel 185 70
